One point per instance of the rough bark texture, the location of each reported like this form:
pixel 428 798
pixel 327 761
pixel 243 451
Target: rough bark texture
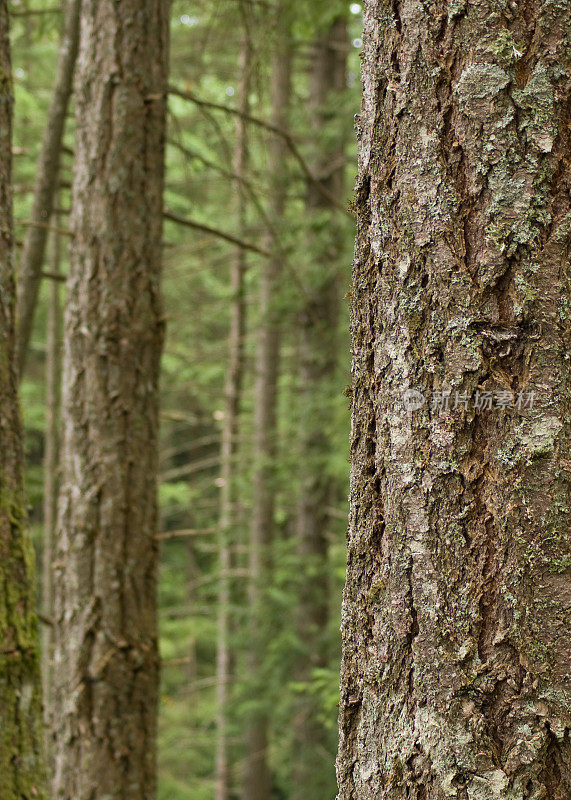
pixel 21 763
pixel 46 183
pixel 106 660
pixel 233 393
pixel 51 482
pixel 256 780
pixel 456 659
pixel 319 353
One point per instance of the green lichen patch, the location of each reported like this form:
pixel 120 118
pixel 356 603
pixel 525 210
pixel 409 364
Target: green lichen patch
pixel 537 102
pixel 480 81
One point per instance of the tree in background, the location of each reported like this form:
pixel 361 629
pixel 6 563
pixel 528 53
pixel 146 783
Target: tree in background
pixel 201 179
pixel 106 659
pixel 21 758
pixel 319 356
pixel 46 182
pixel 456 609
pixel 51 465
pixel 233 400
pixel 256 779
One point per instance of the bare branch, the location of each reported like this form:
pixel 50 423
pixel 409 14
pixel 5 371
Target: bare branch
pixel 189 223
pixel 272 129
pixel 188 532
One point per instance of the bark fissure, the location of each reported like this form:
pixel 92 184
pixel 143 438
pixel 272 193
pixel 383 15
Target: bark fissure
pixel 460 286
pixel 105 600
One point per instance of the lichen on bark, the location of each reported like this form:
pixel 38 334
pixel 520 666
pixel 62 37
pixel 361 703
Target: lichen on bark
pixel 455 673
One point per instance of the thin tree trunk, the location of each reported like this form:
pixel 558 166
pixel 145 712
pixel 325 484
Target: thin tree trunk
pixel 192 577
pixel 21 758
pixel 456 658
pixel 233 393
pixel 46 183
pixel 51 479
pixel 318 326
pixel 106 676
pixel 256 781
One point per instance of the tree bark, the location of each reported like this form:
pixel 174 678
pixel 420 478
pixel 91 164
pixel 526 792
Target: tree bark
pixel 106 659
pixel 51 480
pixel 256 779
pixel 456 610
pixel 46 183
pixel 21 757
pixel 318 326
pixel 233 392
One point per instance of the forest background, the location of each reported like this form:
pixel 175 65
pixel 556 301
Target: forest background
pixel 222 181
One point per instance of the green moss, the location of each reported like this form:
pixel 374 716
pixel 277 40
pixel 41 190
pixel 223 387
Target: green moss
pixel 505 49
pixel 376 591
pixel 559 565
pixel 538 651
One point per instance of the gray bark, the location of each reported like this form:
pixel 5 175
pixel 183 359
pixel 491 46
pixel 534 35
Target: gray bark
pixel 106 657
pixel 456 659
pixel 51 479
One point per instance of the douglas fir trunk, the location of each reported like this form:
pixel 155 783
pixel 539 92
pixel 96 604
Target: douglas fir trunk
pixel 456 658
pixel 106 660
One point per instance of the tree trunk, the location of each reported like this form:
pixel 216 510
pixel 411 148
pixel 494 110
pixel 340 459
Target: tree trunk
pixel 51 481
pixel 46 183
pixel 257 782
pixel 233 393
pixel 106 659
pixel 21 761
pixel 456 613
pixel 318 325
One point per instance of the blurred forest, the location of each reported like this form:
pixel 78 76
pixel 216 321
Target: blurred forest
pixel 248 171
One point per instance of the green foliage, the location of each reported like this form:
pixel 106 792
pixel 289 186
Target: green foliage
pixel 206 39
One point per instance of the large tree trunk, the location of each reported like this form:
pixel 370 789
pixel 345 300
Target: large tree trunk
pixel 46 182
pixel 256 780
pixel 319 351
pixel 21 762
pixel 456 613
pixel 233 393
pixel 106 660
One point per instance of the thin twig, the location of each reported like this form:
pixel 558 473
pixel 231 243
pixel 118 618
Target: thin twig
pixel 272 129
pixel 54 276
pixel 32 12
pixel 188 532
pixel 189 223
pixel 30 223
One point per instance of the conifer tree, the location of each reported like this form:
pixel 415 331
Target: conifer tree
pixel 455 675
pixel 106 656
